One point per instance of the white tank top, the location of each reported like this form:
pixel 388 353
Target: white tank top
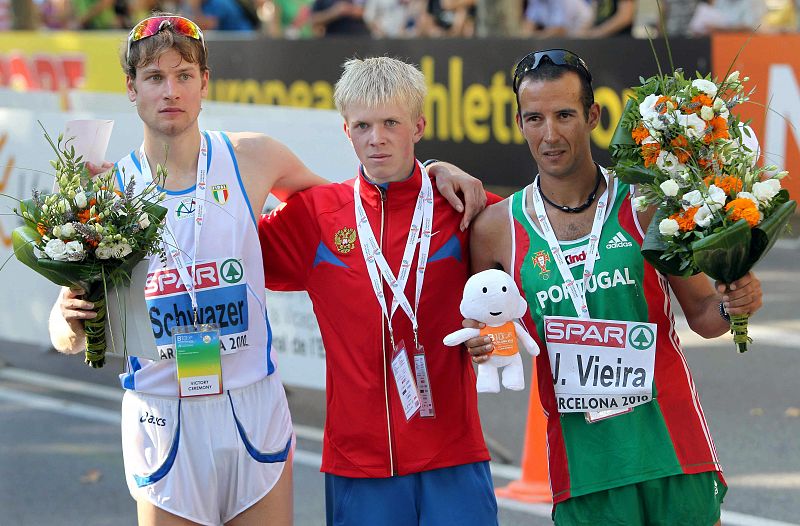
pixel 229 279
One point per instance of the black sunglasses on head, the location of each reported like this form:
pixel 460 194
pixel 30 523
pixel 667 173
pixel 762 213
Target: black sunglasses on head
pixel 559 57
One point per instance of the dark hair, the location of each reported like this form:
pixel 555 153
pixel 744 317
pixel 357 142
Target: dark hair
pixel 547 70
pixel 146 50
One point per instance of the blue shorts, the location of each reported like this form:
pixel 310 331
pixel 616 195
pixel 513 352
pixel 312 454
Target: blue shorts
pixel 458 496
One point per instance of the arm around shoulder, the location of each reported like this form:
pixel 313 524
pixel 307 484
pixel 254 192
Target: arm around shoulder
pixel 490 239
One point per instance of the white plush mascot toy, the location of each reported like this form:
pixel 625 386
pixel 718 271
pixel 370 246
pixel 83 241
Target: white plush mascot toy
pixel 493 298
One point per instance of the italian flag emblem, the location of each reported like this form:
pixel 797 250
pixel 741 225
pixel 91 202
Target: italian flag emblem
pixel 220 193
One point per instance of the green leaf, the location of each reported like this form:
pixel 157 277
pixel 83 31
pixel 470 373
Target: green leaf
pixel 636 174
pixel 725 256
pixel 24 239
pixel 765 234
pixel 654 247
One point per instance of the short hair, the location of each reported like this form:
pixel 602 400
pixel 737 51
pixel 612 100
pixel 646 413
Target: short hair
pixel 148 49
pixel 547 70
pixel 379 80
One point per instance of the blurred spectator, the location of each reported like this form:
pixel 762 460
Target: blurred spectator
pixel 223 15
pixel 612 17
pixel 553 18
pixel 498 18
pixel 338 18
pixel 782 16
pixel 141 9
pixel 677 15
pixel 390 18
pixel 93 14
pixel 291 19
pixel 6 15
pixel 453 18
pixel 727 15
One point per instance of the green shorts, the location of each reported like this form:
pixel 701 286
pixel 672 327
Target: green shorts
pixel 668 501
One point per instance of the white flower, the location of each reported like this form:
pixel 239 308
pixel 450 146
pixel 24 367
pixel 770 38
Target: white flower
pixel 80 200
pixel 668 227
pixel 703 216
pixel 693 125
pixel 766 190
pixel 648 105
pixel 74 251
pixel 103 252
pixel 706 86
pixel 67 231
pixel 640 203
pixel 693 198
pixel 706 113
pixel 669 187
pixel 747 195
pixel 144 220
pixel 121 249
pixel 716 197
pixel 57 231
pixel 733 77
pixel 750 142
pixel 668 162
pixel 56 249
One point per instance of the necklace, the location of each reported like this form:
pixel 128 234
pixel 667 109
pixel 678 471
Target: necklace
pixel 569 209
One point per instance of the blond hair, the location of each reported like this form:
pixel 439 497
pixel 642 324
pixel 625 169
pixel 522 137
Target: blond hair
pixel 380 80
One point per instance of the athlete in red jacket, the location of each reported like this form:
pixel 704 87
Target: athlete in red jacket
pixel 417 457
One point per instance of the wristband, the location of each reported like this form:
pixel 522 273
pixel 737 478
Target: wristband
pixel 723 313
pixel 430 162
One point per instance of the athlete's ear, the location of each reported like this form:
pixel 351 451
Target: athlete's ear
pixel 347 130
pixel 131 87
pixel 204 85
pixel 419 128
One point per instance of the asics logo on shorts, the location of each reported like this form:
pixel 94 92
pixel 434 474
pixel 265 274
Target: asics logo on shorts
pixel 152 419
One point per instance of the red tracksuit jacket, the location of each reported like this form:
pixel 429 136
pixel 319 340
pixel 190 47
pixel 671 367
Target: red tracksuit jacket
pixel 308 244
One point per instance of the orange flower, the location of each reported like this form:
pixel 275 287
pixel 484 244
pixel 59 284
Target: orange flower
pixel 639 134
pixel 718 129
pixel 92 202
pixel 650 153
pixel 729 184
pixel 663 103
pixel 697 102
pixel 685 219
pixel 743 208
pixel 93 242
pixel 83 216
pixel 680 145
pixel 41 229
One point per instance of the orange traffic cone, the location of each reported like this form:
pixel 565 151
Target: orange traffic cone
pixel 534 486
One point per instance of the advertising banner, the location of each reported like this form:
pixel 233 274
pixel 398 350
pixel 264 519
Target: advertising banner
pixel 773 65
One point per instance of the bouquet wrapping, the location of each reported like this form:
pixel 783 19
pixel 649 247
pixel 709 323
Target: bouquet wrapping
pixel 88 234
pixel 717 211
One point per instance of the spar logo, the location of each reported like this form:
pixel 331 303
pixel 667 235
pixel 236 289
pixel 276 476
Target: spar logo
pixel 167 281
pixel 641 337
pixel 231 271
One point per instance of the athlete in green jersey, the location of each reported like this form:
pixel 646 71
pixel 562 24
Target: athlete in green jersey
pixel 635 449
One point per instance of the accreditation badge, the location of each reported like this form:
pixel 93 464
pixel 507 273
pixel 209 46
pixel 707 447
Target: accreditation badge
pixel 600 367
pixel 406 389
pixel 197 355
pixel 426 409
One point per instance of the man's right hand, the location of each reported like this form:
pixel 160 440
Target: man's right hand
pixel 66 320
pixel 73 307
pixel 480 347
pixel 97 169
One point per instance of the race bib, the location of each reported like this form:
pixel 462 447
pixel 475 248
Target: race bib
pixel 600 365
pixel 221 298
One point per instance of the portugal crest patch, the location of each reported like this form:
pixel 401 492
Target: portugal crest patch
pixel 220 193
pixel 345 240
pixel 541 259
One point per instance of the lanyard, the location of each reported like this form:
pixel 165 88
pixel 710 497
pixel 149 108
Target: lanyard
pixel 577 293
pixel 419 231
pixel 199 214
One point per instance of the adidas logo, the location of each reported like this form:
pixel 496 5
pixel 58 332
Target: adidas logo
pixel 619 241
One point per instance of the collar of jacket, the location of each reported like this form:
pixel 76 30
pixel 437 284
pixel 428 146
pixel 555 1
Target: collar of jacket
pixel 398 193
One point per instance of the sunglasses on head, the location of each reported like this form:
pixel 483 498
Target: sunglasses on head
pixel 559 57
pixel 151 26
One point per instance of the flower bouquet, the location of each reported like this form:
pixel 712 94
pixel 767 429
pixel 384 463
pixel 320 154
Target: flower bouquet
pixel 87 234
pixel 692 158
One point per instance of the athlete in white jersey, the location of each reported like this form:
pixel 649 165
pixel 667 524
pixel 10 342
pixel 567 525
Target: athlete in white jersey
pixel 218 458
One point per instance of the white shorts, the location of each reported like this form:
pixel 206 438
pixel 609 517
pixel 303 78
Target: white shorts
pixel 207 458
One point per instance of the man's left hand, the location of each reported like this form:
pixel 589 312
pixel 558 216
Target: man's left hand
pixel 450 180
pixel 743 296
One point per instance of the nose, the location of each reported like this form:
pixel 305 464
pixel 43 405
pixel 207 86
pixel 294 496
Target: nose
pixel 550 132
pixel 377 136
pixel 170 88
